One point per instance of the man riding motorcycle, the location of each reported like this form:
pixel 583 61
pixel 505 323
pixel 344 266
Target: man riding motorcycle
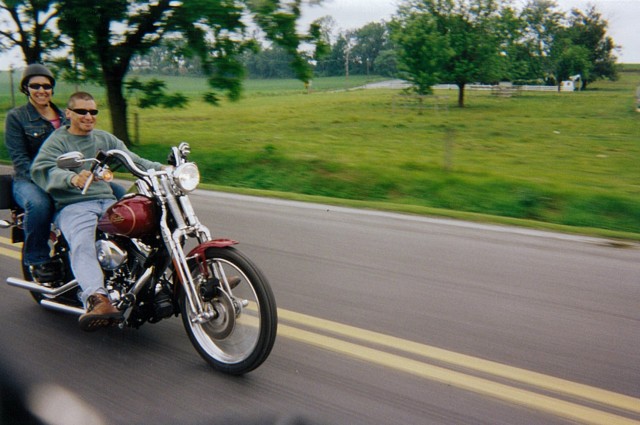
pixel 77 210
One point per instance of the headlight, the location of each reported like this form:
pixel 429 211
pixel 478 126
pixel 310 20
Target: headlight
pixel 187 176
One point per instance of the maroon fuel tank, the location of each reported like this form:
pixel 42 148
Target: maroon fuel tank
pixel 134 216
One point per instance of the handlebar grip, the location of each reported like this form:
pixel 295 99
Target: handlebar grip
pixel 87 184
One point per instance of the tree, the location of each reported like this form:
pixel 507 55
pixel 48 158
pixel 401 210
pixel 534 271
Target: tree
pixel 107 34
pixel 335 63
pixel 369 41
pixel 355 51
pixel 515 56
pixel 573 60
pixel 589 31
pixel 475 47
pixel 28 25
pixel 543 23
pixel 386 63
pixel 422 49
pixel 448 40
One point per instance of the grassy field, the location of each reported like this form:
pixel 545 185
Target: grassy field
pixel 569 159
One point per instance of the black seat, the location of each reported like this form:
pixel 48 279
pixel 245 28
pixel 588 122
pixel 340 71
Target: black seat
pixel 6 192
pixel 7 202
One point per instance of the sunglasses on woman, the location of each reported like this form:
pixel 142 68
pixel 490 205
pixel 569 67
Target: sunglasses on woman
pixel 36 86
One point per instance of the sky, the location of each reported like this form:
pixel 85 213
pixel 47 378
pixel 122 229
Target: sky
pixel 623 17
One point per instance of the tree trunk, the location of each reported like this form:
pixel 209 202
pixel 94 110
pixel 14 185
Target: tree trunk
pixel 461 95
pixel 117 107
pixel 31 54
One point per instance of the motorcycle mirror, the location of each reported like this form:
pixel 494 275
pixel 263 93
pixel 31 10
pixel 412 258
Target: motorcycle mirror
pixel 70 160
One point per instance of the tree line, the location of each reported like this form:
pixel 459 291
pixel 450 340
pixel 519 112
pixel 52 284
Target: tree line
pixel 453 41
pixel 426 42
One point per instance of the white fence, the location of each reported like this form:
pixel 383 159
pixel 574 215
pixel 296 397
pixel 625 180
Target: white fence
pixel 500 89
pixel 539 88
pixel 489 87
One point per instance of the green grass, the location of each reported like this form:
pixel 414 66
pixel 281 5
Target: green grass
pixel 562 158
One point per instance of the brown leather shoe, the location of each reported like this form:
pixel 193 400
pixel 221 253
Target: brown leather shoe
pixel 100 313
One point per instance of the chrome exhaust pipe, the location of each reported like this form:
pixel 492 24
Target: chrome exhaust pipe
pixel 52 305
pixel 35 287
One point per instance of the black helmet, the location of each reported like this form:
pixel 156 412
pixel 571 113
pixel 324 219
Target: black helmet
pixel 33 70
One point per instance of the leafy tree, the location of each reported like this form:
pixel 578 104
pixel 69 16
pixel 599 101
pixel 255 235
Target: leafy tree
pixel 386 63
pixel 515 58
pixel 355 51
pixel 476 49
pixel 324 29
pixel 589 31
pixel 573 60
pixel 335 62
pixel 422 49
pixel 29 25
pixel 107 34
pixel 153 93
pixel 369 41
pixel 543 23
pixel 448 40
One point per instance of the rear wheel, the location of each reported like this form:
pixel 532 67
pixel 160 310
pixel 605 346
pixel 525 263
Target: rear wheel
pixel 241 333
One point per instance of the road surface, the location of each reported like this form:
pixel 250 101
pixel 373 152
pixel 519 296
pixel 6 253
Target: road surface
pixel 384 319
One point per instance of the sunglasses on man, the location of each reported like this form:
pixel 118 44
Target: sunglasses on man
pixel 84 111
pixel 36 86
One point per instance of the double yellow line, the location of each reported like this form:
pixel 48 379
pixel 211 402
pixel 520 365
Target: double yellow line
pixel 10 252
pixel 319 333
pixel 379 349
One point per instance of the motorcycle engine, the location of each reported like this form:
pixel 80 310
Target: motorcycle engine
pixel 110 255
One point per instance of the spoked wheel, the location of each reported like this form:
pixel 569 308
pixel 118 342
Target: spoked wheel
pixel 241 330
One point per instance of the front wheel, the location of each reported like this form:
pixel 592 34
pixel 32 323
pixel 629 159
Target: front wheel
pixel 241 335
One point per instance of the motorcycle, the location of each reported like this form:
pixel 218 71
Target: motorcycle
pixel 160 261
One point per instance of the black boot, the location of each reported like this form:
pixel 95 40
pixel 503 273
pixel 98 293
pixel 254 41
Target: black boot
pixel 50 271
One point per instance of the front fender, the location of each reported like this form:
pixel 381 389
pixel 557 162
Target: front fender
pixel 199 250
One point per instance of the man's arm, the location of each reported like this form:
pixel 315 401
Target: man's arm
pixel 44 170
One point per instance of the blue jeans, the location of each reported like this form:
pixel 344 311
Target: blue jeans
pixel 38 208
pixel 78 223
pixel 118 191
